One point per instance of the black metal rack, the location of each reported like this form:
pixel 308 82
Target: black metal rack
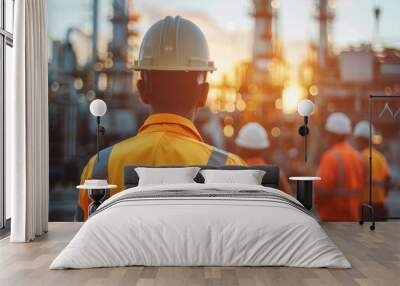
pixel 369 206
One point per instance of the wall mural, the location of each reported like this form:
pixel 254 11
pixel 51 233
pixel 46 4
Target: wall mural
pixel 258 83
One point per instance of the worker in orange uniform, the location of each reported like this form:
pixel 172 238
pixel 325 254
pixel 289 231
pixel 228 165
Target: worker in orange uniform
pixel 173 63
pixel 380 170
pixel 252 143
pixel 338 194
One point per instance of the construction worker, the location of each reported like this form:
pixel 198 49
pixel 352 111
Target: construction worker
pixel 173 63
pixel 341 168
pixel 380 170
pixel 252 142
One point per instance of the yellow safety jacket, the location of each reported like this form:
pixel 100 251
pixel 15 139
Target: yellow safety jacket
pixel 380 173
pixel 164 139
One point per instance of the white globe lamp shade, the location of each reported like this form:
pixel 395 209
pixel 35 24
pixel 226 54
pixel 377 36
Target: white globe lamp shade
pixel 98 107
pixel 305 107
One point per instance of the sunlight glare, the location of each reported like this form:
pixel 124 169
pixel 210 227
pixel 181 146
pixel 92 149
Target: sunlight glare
pixel 290 97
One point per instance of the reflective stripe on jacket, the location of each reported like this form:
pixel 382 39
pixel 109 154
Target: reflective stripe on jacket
pixel 338 194
pixel 164 139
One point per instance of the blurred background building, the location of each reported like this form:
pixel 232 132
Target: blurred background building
pixel 262 75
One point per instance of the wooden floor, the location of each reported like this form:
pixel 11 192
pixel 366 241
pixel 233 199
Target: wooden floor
pixel 375 257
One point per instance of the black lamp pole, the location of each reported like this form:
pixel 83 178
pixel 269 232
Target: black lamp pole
pixel 97 137
pixel 98 108
pixel 305 138
pixel 303 131
pixel 99 132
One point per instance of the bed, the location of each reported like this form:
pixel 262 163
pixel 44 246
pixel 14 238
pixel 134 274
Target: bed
pixel 198 224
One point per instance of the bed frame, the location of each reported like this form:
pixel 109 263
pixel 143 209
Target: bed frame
pixel 270 179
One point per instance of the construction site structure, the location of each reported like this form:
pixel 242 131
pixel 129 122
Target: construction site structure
pixel 72 86
pixel 343 81
pixel 255 93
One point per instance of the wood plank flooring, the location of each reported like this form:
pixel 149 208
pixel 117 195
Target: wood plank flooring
pixel 375 257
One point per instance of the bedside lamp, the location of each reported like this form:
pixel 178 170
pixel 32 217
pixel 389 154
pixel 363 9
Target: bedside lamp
pixel 98 108
pixel 305 108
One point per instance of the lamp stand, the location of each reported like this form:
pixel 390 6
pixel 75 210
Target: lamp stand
pixel 100 131
pixel 305 138
pixel 97 137
pixel 303 131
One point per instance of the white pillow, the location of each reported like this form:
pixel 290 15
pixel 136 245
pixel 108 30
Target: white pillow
pixel 248 177
pixel 165 176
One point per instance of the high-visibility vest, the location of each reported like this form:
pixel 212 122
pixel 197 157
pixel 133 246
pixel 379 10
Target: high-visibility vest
pixel 380 173
pixel 164 139
pixel 338 194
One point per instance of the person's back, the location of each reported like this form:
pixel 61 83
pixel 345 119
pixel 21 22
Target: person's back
pixel 173 63
pixel 339 192
pixel 164 139
pixel 380 181
pixel 380 175
pixel 380 170
pixel 341 168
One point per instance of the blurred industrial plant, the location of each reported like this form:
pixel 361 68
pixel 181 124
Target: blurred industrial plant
pixel 265 89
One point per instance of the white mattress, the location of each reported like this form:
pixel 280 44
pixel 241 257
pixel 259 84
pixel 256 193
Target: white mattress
pixel 191 231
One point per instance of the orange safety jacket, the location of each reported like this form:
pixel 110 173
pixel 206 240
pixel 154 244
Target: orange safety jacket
pixel 283 180
pixel 164 139
pixel 380 174
pixel 338 194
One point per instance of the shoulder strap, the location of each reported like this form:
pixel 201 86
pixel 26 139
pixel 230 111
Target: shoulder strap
pixel 100 168
pixel 217 158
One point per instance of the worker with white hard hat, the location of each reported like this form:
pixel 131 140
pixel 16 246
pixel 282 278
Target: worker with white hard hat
pixel 338 194
pixel 379 165
pixel 253 136
pixel 252 143
pixel 173 63
pixel 338 123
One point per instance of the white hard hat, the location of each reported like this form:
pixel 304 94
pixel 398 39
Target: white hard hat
pixel 362 129
pixel 174 44
pixel 338 123
pixel 253 136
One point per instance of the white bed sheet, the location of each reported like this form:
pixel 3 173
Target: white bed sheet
pixel 200 231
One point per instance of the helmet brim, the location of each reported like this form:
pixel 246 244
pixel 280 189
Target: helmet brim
pixel 165 68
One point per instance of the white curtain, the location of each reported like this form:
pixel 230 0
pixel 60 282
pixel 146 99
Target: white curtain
pixel 27 124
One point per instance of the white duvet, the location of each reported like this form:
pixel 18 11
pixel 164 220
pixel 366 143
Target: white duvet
pixel 192 231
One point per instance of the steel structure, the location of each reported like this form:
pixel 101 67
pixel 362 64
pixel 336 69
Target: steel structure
pixel 73 85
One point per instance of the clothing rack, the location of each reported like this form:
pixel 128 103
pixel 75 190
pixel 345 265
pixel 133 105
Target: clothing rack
pixel 369 206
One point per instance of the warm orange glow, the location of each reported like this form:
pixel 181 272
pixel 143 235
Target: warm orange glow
pixel 275 132
pixel 230 107
pixel 228 120
pixel 241 105
pixel 278 103
pixel 228 130
pixel 377 139
pixel 313 90
pixel 278 72
pixel 307 75
pixel 290 97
